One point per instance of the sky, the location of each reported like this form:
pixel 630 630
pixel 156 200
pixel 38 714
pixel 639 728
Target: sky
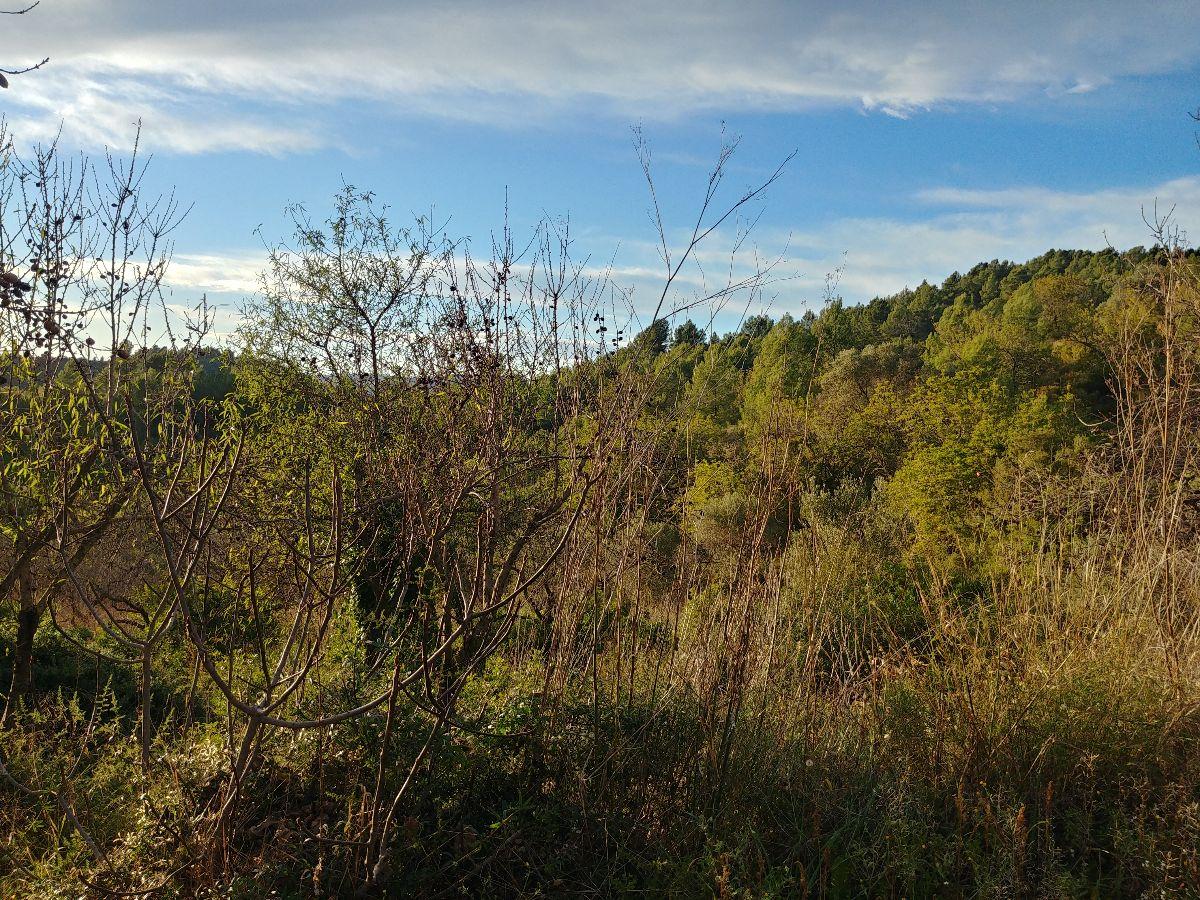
pixel 927 136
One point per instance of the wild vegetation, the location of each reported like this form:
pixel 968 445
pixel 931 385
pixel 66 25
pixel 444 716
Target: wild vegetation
pixel 440 581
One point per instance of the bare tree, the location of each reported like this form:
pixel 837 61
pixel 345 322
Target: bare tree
pixel 82 255
pixel 426 449
pixel 710 217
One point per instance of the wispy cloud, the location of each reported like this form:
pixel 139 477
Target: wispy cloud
pixel 95 105
pixel 226 274
pixel 950 229
pixel 263 76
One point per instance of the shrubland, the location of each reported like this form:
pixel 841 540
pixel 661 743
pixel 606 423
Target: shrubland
pixel 441 582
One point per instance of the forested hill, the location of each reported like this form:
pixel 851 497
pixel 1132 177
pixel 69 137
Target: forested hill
pixel 937 403
pixel 895 599
pixel 913 313
pixel 988 286
pixel 943 401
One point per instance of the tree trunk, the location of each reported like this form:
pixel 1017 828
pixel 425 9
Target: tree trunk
pixel 29 616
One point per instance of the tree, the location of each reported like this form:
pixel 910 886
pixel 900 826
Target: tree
pixel 715 389
pixel 83 251
pixel 779 382
pixel 687 335
pixel 467 455
pixel 756 327
pixel 653 339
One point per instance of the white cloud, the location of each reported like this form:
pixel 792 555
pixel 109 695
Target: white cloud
pixel 950 229
pixel 101 106
pixel 264 75
pixel 953 229
pixel 225 274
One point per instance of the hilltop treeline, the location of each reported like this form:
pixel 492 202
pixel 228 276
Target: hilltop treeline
pixel 442 581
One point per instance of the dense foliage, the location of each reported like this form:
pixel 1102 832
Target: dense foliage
pixel 435 586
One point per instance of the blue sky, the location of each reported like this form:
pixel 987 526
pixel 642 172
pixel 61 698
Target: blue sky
pixel 929 136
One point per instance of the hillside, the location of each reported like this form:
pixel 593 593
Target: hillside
pixel 890 599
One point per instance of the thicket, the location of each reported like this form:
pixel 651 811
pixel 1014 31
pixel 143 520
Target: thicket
pixel 441 582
